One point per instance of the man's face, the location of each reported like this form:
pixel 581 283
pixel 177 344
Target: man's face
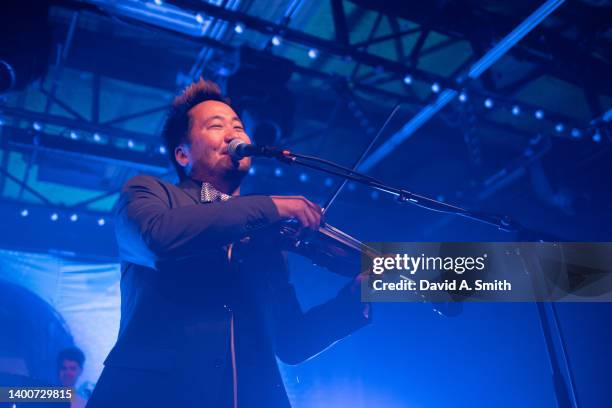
pixel 69 373
pixel 213 125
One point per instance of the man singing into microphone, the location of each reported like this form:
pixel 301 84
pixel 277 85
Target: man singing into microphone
pixel 206 303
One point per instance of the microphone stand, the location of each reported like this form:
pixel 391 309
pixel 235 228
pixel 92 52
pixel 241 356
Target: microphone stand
pixel 503 223
pixel 562 377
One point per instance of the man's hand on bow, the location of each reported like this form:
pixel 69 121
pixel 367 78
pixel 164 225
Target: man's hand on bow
pixel 298 207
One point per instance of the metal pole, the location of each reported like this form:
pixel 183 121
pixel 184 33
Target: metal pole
pixel 475 71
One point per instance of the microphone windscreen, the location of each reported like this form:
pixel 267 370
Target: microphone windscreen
pixel 233 149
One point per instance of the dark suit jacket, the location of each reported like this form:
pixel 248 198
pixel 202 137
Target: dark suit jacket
pixel 188 308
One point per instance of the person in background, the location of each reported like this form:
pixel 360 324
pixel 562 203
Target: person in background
pixel 70 367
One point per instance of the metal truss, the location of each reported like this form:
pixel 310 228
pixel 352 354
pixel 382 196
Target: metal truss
pixel 151 160
pixel 389 69
pixel 357 52
pixel 475 71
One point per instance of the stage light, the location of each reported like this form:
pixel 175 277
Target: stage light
pixel 130 143
pixel 54 216
pixel 162 149
pixel 74 218
pixel 539 114
pixel 597 137
pixel 435 87
pixel 313 53
pixel 1 122
pixel 101 221
pixel 199 18
pixel 252 171
pixel 239 28
pixel 158 2
pixel 278 172
pixel 276 40
pixel 97 137
pixel 488 103
pixel 24 212
pixel 303 177
pixel 559 127
pixel 516 110
pixel 374 195
pixel 463 97
pixel 407 79
pixel 351 186
pixel 328 182
pixel 576 133
pixel 74 135
pixel 37 126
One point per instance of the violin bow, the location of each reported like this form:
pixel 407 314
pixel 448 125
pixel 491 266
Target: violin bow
pixel 360 159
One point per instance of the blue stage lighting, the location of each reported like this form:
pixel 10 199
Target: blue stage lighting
pixel 239 28
pixel 74 135
pixel 97 137
pixel 313 53
pixel 597 137
pixel 463 97
pixel 24 212
pixel 559 127
pixel 539 114
pixel 516 110
pixel 252 171
pixel 199 18
pixel 54 216
pixel 37 126
pixel 130 143
pixel 276 40
pixel 278 172
pixel 576 133
pixel 407 79
pixel 74 218
pixel 328 182
pixel 162 149
pixel 488 103
pixel 101 221
pixel 435 87
pixel 303 177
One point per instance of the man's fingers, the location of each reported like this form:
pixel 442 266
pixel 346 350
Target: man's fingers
pixel 306 212
pixel 315 207
pixel 316 217
pixel 301 217
pixel 311 219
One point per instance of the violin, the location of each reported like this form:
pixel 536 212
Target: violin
pixel 342 254
pixel 328 247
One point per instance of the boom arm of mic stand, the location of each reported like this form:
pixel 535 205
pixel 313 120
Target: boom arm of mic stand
pixel 503 223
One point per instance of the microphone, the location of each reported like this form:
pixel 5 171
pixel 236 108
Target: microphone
pixel 238 149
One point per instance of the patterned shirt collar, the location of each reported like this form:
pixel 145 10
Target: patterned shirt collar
pixel 209 194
